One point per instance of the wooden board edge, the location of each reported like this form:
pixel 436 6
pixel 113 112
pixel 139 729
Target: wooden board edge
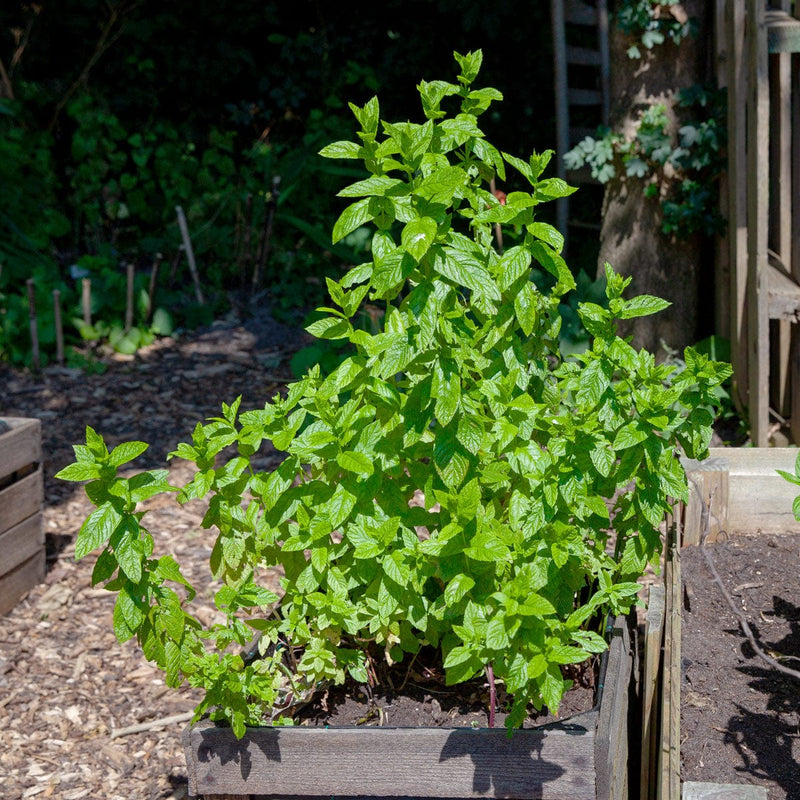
pixel 21 500
pixel 698 790
pixel 21 543
pixel 651 681
pixel 14 585
pixel 611 742
pixel 20 446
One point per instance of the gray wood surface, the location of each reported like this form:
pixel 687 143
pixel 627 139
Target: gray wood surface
pixel 386 762
pixel 694 790
pixel 20 500
pixel 20 446
pixel 611 749
pixel 783 32
pixel 653 641
pixel 14 584
pixel 20 543
pixel 759 500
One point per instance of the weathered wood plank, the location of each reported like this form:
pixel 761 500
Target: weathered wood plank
pixel 579 13
pixel 385 762
pixel 759 500
pixel 737 197
pixel 710 479
pixel 757 216
pixel 611 749
pixel 653 642
pixel 694 790
pixel 783 32
pixel 19 581
pixel 20 446
pixel 21 543
pixel 20 500
pixel 669 765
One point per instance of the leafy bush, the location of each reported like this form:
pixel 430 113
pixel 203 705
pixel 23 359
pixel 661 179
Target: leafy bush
pixel 463 394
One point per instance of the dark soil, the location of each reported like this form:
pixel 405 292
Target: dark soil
pixel 740 718
pixel 415 695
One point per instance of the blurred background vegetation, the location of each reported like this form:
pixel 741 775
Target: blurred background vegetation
pixel 114 113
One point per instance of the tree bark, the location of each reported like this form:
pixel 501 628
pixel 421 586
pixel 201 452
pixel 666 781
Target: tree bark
pixel 631 239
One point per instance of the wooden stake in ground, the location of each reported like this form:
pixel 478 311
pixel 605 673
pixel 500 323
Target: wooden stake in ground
pixel 86 301
pixel 187 247
pixel 37 363
pixel 265 241
pixel 131 274
pixel 58 326
pixel 151 292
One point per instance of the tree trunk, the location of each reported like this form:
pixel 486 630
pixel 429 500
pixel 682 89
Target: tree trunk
pixel 631 239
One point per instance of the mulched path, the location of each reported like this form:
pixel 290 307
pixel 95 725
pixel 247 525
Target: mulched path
pixel 65 683
pixel 740 718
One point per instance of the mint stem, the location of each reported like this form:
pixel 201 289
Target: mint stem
pixel 492 694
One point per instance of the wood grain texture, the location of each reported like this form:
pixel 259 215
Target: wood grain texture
pixel 709 478
pixel 694 790
pixel 20 500
pixel 15 584
pixel 21 543
pixel 669 766
pixel 20 446
pixel 552 762
pixel 759 500
pixel 653 642
pixel 611 748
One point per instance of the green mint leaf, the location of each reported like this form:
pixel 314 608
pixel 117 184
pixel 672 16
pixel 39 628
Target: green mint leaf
pixel 417 237
pixel 642 306
pixel 125 452
pixel 355 462
pixel 341 149
pixel 97 529
pixel 79 472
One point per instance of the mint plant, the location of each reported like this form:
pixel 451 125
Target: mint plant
pixel 511 566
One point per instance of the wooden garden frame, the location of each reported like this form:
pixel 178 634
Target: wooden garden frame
pixel 735 491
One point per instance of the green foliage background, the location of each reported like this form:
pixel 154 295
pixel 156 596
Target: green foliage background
pixel 123 110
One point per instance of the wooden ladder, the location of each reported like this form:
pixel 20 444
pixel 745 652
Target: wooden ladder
pixel 582 82
pixel 764 211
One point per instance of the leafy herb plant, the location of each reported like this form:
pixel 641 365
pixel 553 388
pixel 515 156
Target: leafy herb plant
pixel 461 394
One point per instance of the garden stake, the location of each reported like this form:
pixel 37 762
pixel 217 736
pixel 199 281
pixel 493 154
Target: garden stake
pixel 151 292
pixel 130 269
pixel 34 332
pixel 187 247
pixel 266 233
pixel 59 327
pixel 86 300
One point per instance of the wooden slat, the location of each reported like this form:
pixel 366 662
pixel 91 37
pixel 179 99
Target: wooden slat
pixel 20 446
pixel 20 543
pixel 737 198
pixel 611 748
pixel 584 97
pixel 579 13
pixel 377 762
pixel 794 237
pixel 784 296
pixel 670 749
pixel 562 107
pixel 783 32
pixel 15 584
pixel 20 500
pixel 583 55
pixel 757 214
pixel 694 790
pixel 711 479
pixel 759 500
pixel 653 642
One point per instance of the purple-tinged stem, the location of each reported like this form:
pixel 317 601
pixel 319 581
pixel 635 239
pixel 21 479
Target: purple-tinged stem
pixel 492 694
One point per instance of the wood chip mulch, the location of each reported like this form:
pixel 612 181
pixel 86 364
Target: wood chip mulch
pixel 66 685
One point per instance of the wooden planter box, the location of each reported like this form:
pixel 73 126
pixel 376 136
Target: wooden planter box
pixel 583 757
pixel 741 493
pixel 22 559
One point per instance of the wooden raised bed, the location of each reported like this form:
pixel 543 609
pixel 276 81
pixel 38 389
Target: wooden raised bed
pixel 734 491
pixel 583 757
pixel 22 558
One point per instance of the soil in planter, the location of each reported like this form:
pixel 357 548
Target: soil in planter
pixel 409 696
pixel 740 719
